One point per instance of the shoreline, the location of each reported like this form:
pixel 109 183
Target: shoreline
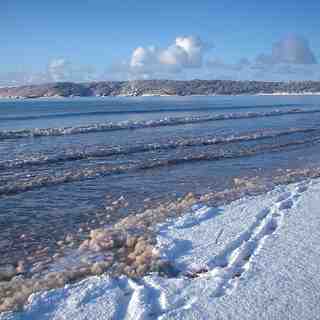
pixel 174 218
pixel 232 259
pixel 278 94
pixel 186 212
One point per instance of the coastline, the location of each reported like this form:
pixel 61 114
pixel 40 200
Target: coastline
pixel 2 98
pixel 162 87
pixel 246 259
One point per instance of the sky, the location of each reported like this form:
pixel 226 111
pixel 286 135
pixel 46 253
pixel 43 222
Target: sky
pixel 83 40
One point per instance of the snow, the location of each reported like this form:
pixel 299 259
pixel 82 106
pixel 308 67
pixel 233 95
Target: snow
pixel 256 258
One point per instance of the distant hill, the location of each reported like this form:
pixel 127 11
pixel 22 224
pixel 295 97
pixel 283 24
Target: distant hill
pixel 159 87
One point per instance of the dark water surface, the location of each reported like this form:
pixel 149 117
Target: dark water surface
pixel 64 163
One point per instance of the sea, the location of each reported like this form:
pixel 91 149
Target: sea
pixel 68 165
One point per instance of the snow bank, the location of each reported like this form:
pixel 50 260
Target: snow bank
pixel 256 258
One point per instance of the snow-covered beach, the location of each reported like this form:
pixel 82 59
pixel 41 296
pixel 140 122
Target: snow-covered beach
pixel 154 168
pixel 151 208
pixel 255 258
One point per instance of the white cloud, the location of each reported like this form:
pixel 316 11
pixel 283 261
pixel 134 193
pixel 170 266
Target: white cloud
pixel 291 58
pixel 64 70
pixel 57 70
pixel 174 56
pixel 60 70
pixel 142 57
pixel 186 52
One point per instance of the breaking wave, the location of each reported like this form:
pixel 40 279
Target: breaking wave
pixel 137 111
pixel 132 125
pixel 107 151
pixel 67 176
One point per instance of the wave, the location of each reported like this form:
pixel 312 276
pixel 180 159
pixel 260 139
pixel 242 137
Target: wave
pixel 132 125
pixel 67 176
pixel 136 111
pixel 107 151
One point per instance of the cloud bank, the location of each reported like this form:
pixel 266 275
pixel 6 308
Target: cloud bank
pixel 290 50
pixel 291 58
pixel 57 70
pixel 186 52
pixel 187 57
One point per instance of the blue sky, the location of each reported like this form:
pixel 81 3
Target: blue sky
pixel 96 39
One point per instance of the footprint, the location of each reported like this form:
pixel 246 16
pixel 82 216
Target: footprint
pixel 271 226
pixel 263 213
pixel 234 261
pixel 286 204
pixel 283 196
pixel 197 217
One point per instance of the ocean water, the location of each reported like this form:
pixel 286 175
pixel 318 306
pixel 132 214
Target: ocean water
pixel 64 163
